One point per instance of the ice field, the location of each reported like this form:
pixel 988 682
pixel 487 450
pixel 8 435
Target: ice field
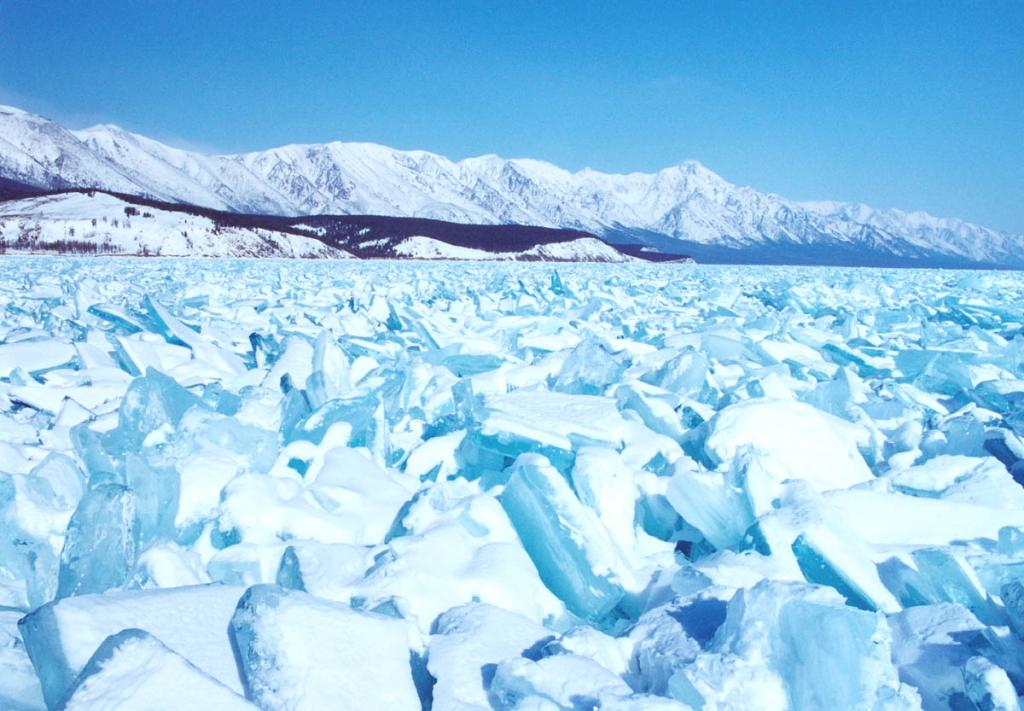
pixel 399 485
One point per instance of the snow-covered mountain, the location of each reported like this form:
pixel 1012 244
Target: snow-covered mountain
pixel 684 208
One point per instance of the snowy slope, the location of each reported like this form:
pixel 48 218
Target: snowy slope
pixel 97 223
pixel 586 249
pixel 685 208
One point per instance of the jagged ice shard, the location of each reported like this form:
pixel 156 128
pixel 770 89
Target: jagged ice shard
pixel 509 486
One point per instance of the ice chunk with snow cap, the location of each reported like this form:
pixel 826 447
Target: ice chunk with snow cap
pixel 365 415
pixel 793 440
pixel 802 534
pixel 575 556
pixel 102 542
pixel 662 645
pixel 988 687
pixel 452 547
pixel 19 686
pixel 466 645
pixel 566 681
pixel 36 355
pixel 327 570
pixel 931 645
pixel 684 374
pixel 133 670
pixel 350 484
pixel 296 651
pixel 973 480
pixel 605 484
pixel 33 520
pixel 552 424
pixel 62 635
pixel 789 645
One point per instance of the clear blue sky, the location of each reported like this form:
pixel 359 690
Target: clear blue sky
pixel 918 105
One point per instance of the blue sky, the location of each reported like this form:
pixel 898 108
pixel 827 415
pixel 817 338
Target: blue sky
pixel 918 105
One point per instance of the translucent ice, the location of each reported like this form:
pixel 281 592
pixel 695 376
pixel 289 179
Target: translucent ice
pixel 102 542
pixel 792 646
pixel 151 402
pixel 574 554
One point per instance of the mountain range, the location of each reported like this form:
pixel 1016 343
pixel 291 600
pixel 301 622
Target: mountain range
pixel 682 209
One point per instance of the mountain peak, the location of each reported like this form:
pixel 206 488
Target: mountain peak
pixel 685 206
pixel 13 111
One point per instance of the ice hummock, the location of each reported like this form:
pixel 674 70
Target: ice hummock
pixel 455 486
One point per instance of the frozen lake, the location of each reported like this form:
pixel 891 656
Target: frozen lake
pixel 388 484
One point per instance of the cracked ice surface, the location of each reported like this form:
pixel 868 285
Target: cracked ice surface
pixel 238 484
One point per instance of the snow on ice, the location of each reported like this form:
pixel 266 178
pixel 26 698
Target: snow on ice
pixel 263 484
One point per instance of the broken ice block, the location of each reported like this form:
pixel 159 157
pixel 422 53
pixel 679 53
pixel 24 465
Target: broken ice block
pixel 552 424
pixel 330 377
pixel 466 645
pixel 972 480
pixel 36 356
pixel 449 546
pixel 1012 595
pixel 133 671
pixel 988 687
pixel 327 570
pixel 803 532
pixel 156 498
pixel 790 645
pixel 931 645
pixel 365 415
pixel 575 556
pixel 102 542
pixel 710 502
pixel 19 686
pixel 605 484
pixel 359 491
pixel 65 478
pixel 297 652
pixel 793 441
pixel 685 374
pixel 955 581
pixel 32 523
pixel 589 370
pixel 153 401
pixel 662 644
pixel 566 681
pixel 61 636
pixel 885 519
